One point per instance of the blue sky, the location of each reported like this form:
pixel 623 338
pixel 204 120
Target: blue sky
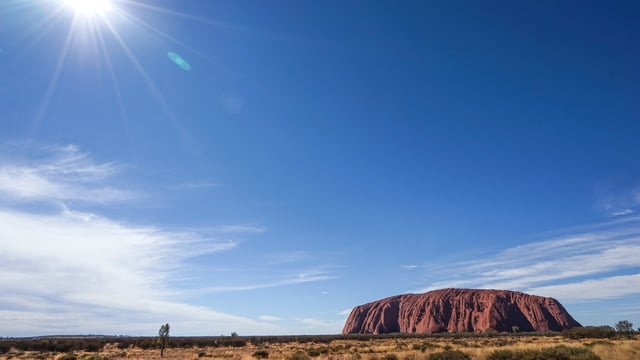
pixel 314 156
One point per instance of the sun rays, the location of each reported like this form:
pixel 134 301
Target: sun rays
pixel 89 7
pixel 110 47
pixel 97 33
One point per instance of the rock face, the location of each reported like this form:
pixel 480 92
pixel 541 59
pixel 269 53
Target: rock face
pixel 459 310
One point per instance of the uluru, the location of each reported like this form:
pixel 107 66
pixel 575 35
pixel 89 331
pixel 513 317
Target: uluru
pixel 459 310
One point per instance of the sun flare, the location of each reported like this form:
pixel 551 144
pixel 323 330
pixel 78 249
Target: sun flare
pixel 89 7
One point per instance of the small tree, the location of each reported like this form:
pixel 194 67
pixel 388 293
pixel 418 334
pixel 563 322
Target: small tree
pixel 163 336
pixel 624 326
pixel 489 332
pixel 515 329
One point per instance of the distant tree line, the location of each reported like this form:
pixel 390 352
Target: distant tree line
pixel 623 327
pixel 95 343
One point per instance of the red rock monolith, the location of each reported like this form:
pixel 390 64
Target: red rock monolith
pixel 459 310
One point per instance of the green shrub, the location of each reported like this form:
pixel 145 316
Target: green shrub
pixel 449 355
pixel 490 332
pixel 68 356
pixel 501 342
pixel 390 356
pixel 299 355
pixel 424 346
pixel 461 342
pixel 599 342
pixel 561 352
pixel 238 343
pixel 261 354
pixel 313 352
pixel 592 332
pixel 570 353
pixel 94 357
pixel 93 346
pixel 502 355
pixel 400 345
pixel 145 344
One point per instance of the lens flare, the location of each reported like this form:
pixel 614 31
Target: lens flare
pixel 178 60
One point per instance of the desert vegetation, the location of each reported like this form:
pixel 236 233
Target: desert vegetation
pixel 587 343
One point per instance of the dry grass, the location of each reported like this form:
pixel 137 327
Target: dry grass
pixel 377 349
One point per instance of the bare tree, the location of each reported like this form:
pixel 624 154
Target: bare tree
pixel 624 326
pixel 163 336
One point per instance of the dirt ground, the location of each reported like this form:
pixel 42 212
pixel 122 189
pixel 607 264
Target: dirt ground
pixel 375 349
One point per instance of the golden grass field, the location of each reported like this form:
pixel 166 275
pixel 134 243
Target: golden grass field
pixel 375 349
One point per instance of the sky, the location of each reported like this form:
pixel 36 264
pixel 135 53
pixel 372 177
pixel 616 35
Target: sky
pixel 262 167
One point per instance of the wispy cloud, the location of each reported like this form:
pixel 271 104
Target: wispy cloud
pixel 628 310
pixel 90 267
pixel 607 287
pixel 287 257
pixel 322 326
pixel 73 271
pixel 623 212
pixel 617 200
pixel 345 312
pixel 300 278
pixel 598 262
pixel 60 174
pixel 326 324
pixel 269 318
pixel 415 267
pixel 240 228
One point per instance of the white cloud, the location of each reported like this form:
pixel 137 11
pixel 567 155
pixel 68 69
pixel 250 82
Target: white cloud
pixel 628 310
pixel 61 174
pixel 69 271
pixel 616 200
pixel 572 268
pixel 325 326
pixel 287 257
pixel 85 264
pixel 416 267
pixel 345 312
pixel 291 280
pixel 623 212
pixel 608 287
pixel 320 326
pixel 241 228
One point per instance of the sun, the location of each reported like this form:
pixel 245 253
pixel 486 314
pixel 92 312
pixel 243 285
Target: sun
pixel 89 7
